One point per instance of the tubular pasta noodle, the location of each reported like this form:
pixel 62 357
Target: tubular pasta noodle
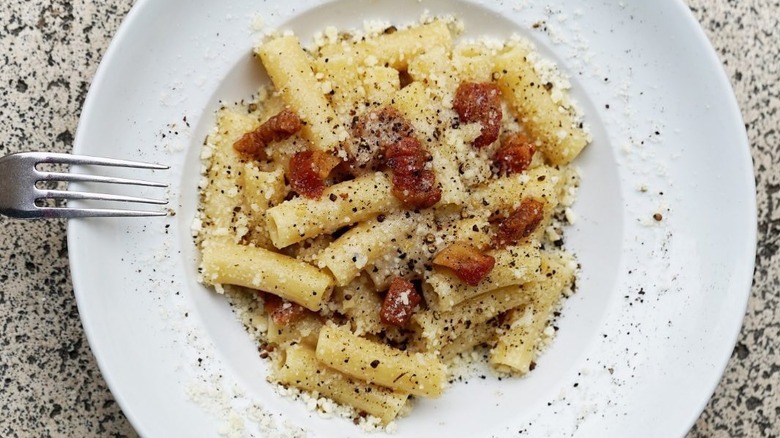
pixel 440 328
pixel 301 369
pixel 265 270
pixel 518 344
pixel 291 72
pixel 414 373
pixel 514 265
pixel 548 120
pixel 340 205
pixel 364 244
pixel 396 49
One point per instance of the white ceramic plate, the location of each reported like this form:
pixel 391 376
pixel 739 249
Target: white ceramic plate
pixel 641 345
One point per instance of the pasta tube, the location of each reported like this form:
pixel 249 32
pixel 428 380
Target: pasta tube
pixel 440 328
pixel 546 119
pixel 416 373
pixel 364 244
pixel 302 370
pixel 396 49
pixel 518 345
pixel 514 265
pixel 291 72
pixel 341 204
pixel 261 269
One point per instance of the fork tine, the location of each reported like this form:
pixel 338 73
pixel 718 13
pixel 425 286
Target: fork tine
pixel 78 177
pixel 68 195
pixel 71 213
pixel 22 198
pixel 89 160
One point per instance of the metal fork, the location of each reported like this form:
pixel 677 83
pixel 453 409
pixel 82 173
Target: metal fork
pixel 19 196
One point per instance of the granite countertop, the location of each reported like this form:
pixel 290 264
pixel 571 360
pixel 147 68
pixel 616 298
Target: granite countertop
pixel 51 385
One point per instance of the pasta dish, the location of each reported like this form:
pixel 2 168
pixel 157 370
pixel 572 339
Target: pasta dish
pixel 393 200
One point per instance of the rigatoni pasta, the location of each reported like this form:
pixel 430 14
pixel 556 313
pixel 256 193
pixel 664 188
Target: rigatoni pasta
pixel 342 204
pixel 513 266
pixel 365 244
pixel 411 373
pixel 300 368
pixel 291 71
pixel 387 213
pixel 265 270
pixel 550 121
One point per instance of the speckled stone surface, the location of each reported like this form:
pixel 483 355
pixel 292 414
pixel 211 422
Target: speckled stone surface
pixel 746 35
pixel 49 382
